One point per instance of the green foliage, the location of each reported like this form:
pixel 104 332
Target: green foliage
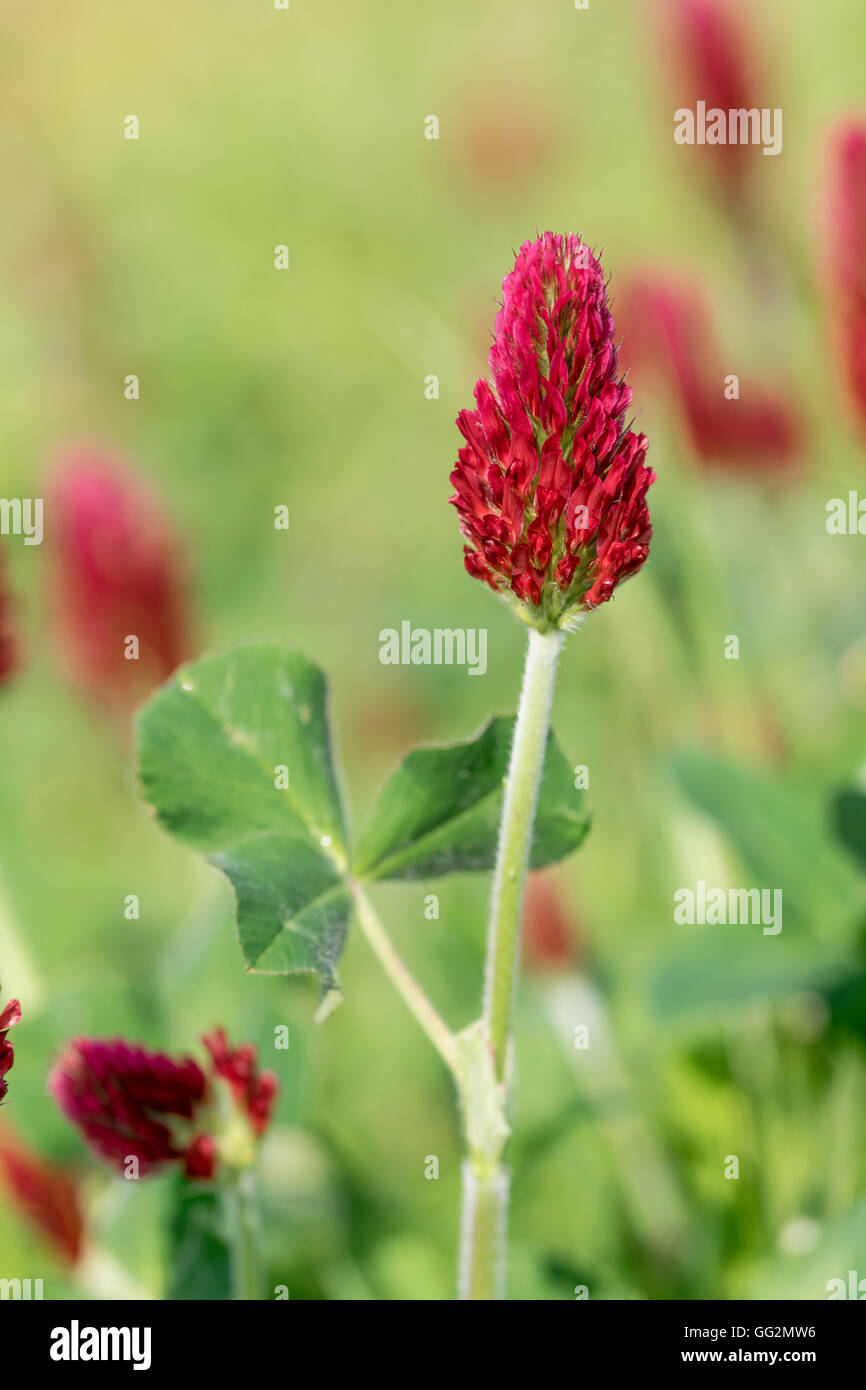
pixel 235 754
pixel 439 812
pixel 212 741
pixel 306 387
pixel 781 834
pixel 199 1251
pixel 849 819
pixel 783 842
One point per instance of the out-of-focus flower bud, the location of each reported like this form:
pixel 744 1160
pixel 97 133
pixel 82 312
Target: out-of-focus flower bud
pixel 43 1194
pixel 119 596
pixel 715 62
pixel 8 641
pixel 668 335
pixel 844 257
pixel 550 940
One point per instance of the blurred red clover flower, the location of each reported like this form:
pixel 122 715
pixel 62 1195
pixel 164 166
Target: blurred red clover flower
pixel 551 484
pixel 715 61
pixel 550 939
pixel 845 257
pixel 669 334
pixel 117 575
pixel 43 1194
pixel 8 644
pixel 8 1018
pixel 131 1103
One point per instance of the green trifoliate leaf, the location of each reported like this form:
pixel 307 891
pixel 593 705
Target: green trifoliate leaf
pixel 292 905
pixel 440 811
pixel 235 756
pixel 212 742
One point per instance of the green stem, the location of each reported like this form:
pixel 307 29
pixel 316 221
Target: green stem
pixel 482 1237
pixel 485 1180
pixel 407 986
pixel 246 1275
pixel 515 838
pixel 482 1084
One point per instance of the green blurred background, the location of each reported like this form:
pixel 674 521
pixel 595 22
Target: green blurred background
pixel 306 388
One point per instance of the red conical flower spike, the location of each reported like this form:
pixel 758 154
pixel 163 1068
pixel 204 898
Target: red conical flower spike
pixel 551 483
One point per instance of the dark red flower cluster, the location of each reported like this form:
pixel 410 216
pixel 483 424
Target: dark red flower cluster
pixel 551 484
pixel 42 1193
pixel 669 333
pixel 131 1103
pixel 845 257
pixel 122 1098
pixel 117 575
pixel 8 1018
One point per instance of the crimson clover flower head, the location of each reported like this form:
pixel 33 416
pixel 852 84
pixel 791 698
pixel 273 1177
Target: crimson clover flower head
pixel 126 1100
pixel 129 1102
pixel 551 483
pixel 8 1018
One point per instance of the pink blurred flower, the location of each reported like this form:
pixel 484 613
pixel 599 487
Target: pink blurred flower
pixel 845 256
pixel 668 334
pixel 117 575
pixel 8 643
pixel 714 58
pixel 131 1103
pixel 8 1018
pixel 550 940
pixel 551 485
pixel 43 1194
